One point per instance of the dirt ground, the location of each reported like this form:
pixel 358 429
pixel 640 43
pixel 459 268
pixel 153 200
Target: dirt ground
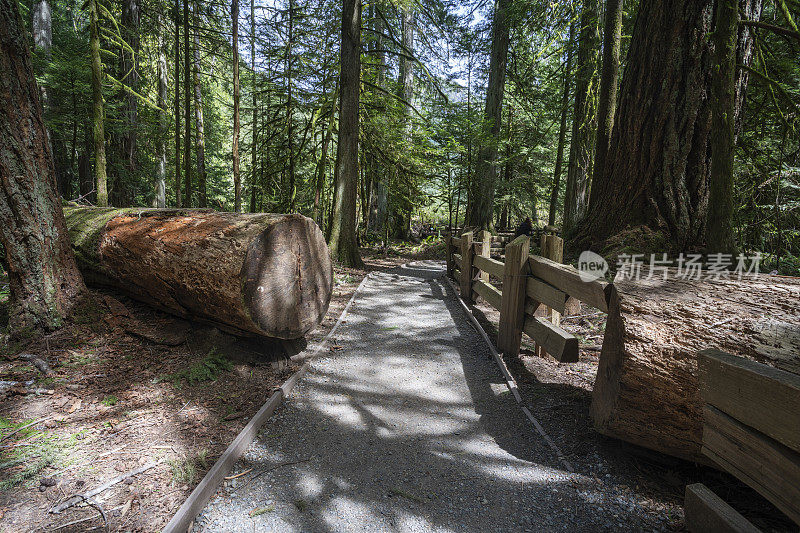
pixel 134 395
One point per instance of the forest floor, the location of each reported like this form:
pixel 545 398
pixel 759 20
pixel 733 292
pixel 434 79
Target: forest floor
pixel 131 387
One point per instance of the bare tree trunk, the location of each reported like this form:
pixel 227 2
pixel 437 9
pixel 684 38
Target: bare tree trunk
pixel 198 115
pixel 719 236
pixel 187 109
pixel 44 281
pixel 177 106
pixel 130 77
pixel 101 180
pixel 237 179
pixel 584 119
pixel 254 147
pixel 402 210
pixel 292 189
pixel 161 173
pixel 343 244
pixel 562 132
pixel 612 33
pixel 479 212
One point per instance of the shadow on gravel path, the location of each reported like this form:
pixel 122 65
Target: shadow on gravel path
pixel 406 425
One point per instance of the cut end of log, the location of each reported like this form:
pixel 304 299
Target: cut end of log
pixel 287 278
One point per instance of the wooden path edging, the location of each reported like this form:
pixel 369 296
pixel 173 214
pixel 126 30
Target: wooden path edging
pixel 202 493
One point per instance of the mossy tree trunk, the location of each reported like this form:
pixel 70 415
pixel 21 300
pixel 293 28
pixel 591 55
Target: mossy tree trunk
pixel 44 281
pixel 101 180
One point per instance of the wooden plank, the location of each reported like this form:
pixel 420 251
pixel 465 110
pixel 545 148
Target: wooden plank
pixel 457 262
pixel 705 511
pixel 512 306
pixel 483 251
pixel 456 242
pixel 543 292
pixel 760 396
pixel 567 278
pixel 489 292
pixel 490 266
pixel 466 266
pixel 560 344
pixel 761 462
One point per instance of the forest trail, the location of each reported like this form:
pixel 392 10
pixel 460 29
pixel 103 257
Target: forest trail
pixel 406 426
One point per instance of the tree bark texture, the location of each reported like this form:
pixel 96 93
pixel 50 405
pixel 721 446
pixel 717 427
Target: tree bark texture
pixel 177 107
pixel 250 274
pixel 646 391
pixel 343 244
pixel 198 116
pixel 101 180
pixel 482 187
pixel 187 109
pixel 657 168
pixel 562 132
pixel 130 77
pixel 161 174
pixel 43 278
pixel 584 117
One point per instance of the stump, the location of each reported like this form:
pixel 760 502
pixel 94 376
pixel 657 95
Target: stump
pixel 249 274
pixel 647 391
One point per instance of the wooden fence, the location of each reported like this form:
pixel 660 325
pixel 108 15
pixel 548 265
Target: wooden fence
pixel 751 429
pixel 528 281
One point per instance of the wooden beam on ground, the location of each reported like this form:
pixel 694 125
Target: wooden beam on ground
pixel 488 292
pixel 490 266
pixel 704 511
pixel 760 396
pixel 761 462
pixel 512 307
pixel 560 344
pixel 568 279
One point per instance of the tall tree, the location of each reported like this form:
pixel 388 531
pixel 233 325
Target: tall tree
pixel 187 108
pixel 584 119
pixel 43 278
pixel 562 131
pixel 177 106
pixel 237 180
pixel 98 117
pixel 254 141
pixel 609 79
pixel 161 172
pixel 130 77
pixel 481 196
pixel 200 145
pixel 402 211
pixel 342 242
pixel 42 25
pixel 720 236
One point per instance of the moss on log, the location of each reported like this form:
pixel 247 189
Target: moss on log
pixel 251 274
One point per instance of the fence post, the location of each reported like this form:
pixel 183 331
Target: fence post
pixel 466 266
pixel 486 251
pixel 552 248
pixel 448 251
pixel 512 304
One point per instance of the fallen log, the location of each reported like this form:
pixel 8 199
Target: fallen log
pixel 646 391
pixel 249 274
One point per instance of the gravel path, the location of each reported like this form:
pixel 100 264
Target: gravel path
pixel 408 426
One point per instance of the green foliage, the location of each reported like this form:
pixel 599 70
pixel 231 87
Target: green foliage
pixel 110 400
pixel 207 369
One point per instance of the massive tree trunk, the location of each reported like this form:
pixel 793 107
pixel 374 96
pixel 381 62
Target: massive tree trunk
pixel 401 210
pixel 646 391
pixel 198 115
pixel 254 91
pixel 42 25
pixel 562 132
pixel 343 243
pixel 101 181
pixel 584 118
pixel 43 278
pixel 237 179
pixel 656 172
pixel 251 274
pixel 607 105
pixel 479 212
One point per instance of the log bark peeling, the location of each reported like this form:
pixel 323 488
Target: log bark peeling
pixel 251 274
pixel 647 390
